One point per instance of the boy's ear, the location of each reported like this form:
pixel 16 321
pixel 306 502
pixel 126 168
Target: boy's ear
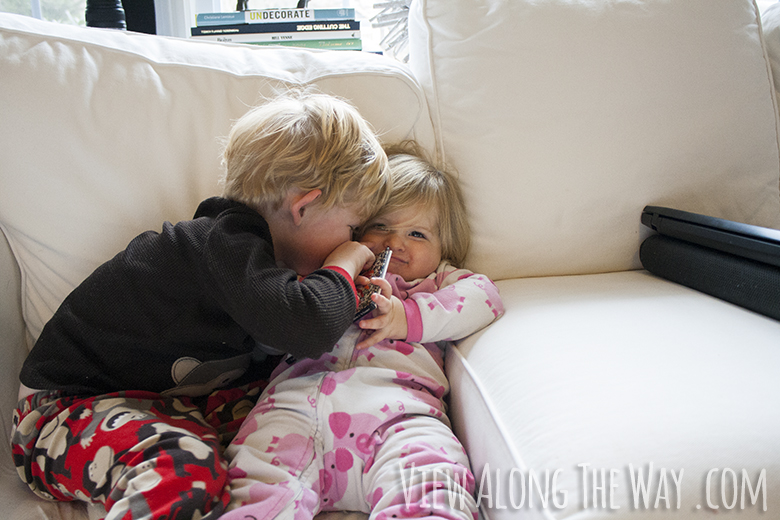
pixel 299 203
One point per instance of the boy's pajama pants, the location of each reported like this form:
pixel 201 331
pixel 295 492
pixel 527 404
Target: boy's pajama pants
pixel 362 439
pixel 140 454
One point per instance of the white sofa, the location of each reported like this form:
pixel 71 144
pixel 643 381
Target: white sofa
pixel 563 120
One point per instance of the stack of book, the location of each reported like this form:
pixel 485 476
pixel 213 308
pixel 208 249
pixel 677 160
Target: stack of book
pixel 314 28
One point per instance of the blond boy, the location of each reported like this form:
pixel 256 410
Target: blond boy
pixel 120 401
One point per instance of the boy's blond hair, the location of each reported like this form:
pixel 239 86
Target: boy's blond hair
pixel 307 140
pixel 417 181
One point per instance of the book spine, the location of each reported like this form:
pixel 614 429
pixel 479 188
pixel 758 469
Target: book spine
pixel 334 45
pixel 259 16
pixel 206 19
pixel 276 27
pixel 279 37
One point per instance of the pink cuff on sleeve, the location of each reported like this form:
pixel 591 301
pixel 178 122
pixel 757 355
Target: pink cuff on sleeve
pixel 346 275
pixel 414 326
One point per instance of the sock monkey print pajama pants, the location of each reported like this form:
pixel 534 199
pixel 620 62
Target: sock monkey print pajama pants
pixel 140 454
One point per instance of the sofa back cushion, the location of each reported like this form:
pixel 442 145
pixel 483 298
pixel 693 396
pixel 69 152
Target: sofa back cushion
pixel 565 118
pixel 107 134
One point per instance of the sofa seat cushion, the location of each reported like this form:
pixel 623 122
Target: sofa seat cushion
pixel 620 371
pixel 566 118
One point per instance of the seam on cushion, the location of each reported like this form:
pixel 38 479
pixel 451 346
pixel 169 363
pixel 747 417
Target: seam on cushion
pixel 773 92
pixel 517 460
pixel 434 101
pixel 407 78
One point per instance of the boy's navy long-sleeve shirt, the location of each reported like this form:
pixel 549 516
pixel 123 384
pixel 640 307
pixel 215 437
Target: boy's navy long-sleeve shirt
pixel 181 311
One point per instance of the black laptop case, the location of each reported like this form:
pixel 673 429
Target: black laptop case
pixel 735 262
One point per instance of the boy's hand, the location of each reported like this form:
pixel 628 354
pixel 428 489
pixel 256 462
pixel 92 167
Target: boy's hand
pixel 353 257
pixel 391 322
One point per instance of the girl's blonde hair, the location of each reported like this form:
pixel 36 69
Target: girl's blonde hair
pixel 307 140
pixel 417 181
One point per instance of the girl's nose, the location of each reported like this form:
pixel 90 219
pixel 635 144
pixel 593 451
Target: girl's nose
pixel 395 242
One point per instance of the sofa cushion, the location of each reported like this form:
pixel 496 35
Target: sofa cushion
pixel 565 119
pixel 107 134
pixel 619 371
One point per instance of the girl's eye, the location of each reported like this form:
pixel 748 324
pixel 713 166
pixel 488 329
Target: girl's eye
pixel 416 234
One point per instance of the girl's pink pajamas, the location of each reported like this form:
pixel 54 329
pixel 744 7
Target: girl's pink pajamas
pixel 366 430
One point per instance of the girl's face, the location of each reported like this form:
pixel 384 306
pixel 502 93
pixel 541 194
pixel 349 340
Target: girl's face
pixel 412 234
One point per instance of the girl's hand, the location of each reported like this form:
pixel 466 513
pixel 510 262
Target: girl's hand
pixel 391 322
